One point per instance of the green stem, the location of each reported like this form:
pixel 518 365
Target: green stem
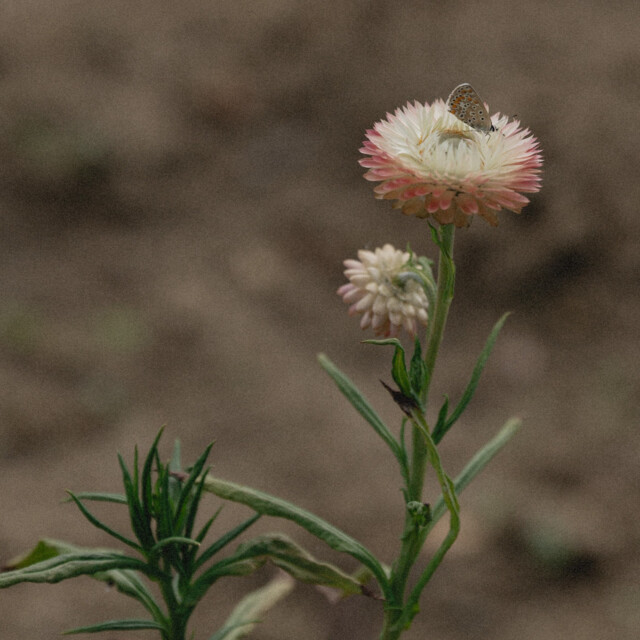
pixel 395 615
pixel 444 296
pixel 451 501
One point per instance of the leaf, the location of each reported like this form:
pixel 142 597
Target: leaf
pixel 100 525
pixel 224 540
pixel 292 558
pixel 477 463
pixel 442 417
pixel 125 580
pixel 139 518
pixel 239 564
pixel 70 565
pixel 398 366
pixel 128 582
pixel 175 540
pixel 473 382
pixel 117 625
pixel 182 511
pixel 44 550
pixel 417 370
pixel 248 611
pixel 116 498
pixel 144 503
pixel 272 506
pixel 360 404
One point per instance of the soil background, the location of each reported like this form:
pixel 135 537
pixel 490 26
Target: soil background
pixel 179 186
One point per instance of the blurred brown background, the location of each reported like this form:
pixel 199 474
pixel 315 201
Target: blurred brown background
pixel 179 187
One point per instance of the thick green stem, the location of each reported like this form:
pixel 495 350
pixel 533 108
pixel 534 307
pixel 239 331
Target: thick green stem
pixel 395 616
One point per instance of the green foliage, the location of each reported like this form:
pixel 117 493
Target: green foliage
pixel 270 505
pixel 445 422
pixel 163 501
pixel 247 612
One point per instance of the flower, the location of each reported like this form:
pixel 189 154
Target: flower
pixel 386 289
pixel 433 164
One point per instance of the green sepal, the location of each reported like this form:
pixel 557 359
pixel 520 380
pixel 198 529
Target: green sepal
pixel 438 434
pixel 117 625
pixel 247 613
pixel 272 506
pixel 361 405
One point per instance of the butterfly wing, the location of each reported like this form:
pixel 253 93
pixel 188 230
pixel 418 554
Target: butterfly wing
pixel 465 104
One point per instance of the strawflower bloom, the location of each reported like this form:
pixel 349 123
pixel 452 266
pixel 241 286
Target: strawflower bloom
pixel 431 164
pixel 386 290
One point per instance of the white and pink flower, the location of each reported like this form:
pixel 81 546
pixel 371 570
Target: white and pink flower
pixel 384 288
pixel 431 164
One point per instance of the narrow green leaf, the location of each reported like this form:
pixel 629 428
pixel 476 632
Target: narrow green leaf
pixel 163 510
pixel 125 580
pixel 473 382
pixel 117 625
pixel 180 540
pixel 477 463
pixel 165 527
pixel 193 508
pixel 128 582
pixel 272 506
pixel 235 565
pixel 146 489
pixel 140 523
pixel 442 417
pixel 399 369
pixel 471 470
pixel 298 563
pixel 250 609
pixel 96 496
pixel 398 365
pixel 44 549
pixel 360 404
pixel 417 370
pixel 207 525
pixel 97 523
pixel 222 542
pixel 70 565
pixel 182 509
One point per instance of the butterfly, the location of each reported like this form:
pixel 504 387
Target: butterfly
pixel 465 104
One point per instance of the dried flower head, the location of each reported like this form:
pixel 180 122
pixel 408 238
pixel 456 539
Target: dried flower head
pixel 434 165
pixel 385 288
